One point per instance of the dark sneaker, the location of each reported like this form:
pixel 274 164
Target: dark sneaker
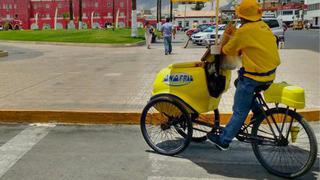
pixel 216 140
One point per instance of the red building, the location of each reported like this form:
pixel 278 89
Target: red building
pixel 94 12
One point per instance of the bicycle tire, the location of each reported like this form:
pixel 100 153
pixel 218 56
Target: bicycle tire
pixel 278 168
pixel 185 122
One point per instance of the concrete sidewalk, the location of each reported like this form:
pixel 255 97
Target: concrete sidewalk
pixel 48 77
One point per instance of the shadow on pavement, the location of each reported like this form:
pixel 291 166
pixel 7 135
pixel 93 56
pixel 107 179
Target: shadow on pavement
pixel 18 53
pixel 238 162
pixel 245 166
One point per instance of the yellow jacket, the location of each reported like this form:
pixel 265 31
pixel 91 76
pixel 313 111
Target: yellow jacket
pixel 256 45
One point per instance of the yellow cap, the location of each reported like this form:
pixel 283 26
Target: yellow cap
pixel 249 10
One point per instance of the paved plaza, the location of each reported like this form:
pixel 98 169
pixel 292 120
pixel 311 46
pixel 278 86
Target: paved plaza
pixel 55 77
pixel 50 77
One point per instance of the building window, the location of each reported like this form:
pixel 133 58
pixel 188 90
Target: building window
pixel 121 14
pixel 109 4
pixel 96 4
pixel 204 21
pixel 14 6
pixel 287 13
pixel 187 23
pixel 180 23
pixel 48 16
pixel 83 4
pixel 109 14
pixel 47 6
pixel 84 15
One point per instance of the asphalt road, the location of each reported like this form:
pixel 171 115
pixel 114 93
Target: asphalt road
pixel 304 39
pixel 117 152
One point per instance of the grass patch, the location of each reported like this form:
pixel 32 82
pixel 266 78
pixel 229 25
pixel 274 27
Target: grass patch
pixel 119 36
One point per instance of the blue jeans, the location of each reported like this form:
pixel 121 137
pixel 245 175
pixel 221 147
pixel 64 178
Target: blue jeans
pixel 167 44
pixel 243 103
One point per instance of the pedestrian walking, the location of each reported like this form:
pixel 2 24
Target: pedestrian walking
pixel 168 32
pixel 148 34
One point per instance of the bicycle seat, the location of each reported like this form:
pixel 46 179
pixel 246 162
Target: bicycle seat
pixel 262 87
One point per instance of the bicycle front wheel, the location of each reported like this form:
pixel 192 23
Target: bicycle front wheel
pixel 166 126
pixel 284 143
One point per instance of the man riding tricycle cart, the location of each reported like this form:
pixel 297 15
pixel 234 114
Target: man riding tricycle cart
pixel 184 94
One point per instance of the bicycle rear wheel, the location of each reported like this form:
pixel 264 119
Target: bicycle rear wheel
pixel 163 121
pixel 284 143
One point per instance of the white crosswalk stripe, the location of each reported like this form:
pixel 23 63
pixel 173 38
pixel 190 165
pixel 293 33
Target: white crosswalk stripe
pixel 19 145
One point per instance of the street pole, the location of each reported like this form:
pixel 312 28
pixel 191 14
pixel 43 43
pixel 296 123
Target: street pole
pixel 212 8
pixel 157 12
pixel 170 10
pixel 160 5
pixel 217 21
pixel 134 26
pixel 184 19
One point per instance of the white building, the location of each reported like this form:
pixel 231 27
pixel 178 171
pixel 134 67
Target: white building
pixel 313 12
pixel 289 15
pixel 188 18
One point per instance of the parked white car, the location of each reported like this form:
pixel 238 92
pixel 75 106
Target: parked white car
pixel 210 40
pixel 200 38
pixel 276 27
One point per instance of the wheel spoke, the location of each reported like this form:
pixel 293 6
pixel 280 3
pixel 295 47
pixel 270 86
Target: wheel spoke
pixel 287 157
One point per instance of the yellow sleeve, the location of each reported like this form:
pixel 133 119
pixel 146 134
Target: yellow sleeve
pixel 234 45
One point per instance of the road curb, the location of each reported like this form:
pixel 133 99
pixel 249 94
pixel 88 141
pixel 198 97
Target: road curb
pixel 140 43
pixel 3 53
pixel 99 117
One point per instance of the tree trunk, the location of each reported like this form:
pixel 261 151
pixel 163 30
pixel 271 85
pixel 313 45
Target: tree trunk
pixel 71 9
pixel 113 16
pixel 80 14
pixel 134 26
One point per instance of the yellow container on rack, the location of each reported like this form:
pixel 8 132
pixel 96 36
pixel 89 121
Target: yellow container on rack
pixel 290 95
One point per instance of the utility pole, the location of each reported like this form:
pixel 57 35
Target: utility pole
pixel 159 14
pixel 134 26
pixel 160 5
pixel 171 11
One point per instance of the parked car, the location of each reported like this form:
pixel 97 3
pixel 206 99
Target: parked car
pixel 211 38
pixel 297 25
pixel 201 38
pixel 200 28
pixel 276 27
